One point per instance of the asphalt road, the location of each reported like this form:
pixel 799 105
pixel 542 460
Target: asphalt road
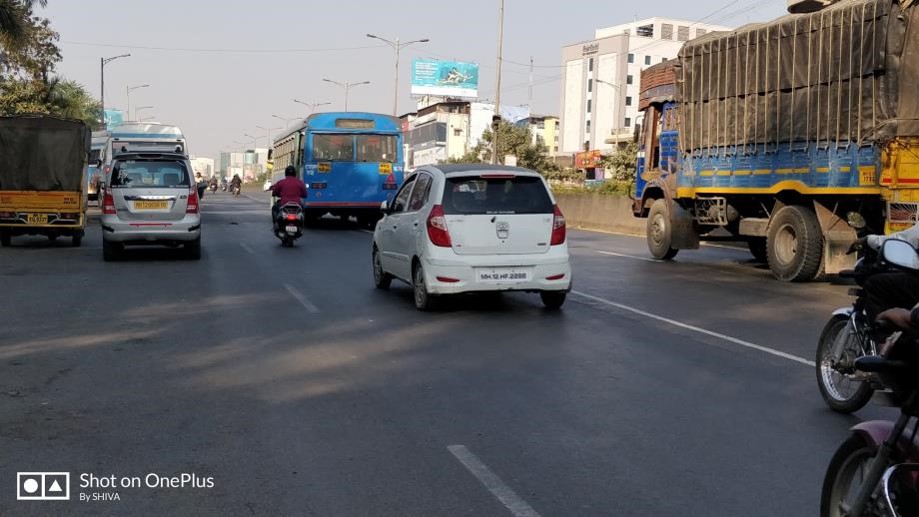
pixel 664 389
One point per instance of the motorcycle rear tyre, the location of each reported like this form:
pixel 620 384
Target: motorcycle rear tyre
pixel 862 395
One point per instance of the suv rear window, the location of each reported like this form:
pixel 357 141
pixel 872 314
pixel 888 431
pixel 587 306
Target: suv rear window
pixel 517 195
pixel 150 174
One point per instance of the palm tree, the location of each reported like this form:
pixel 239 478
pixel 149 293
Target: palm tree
pixel 14 18
pixel 70 99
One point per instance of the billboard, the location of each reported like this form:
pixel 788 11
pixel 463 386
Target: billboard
pixel 113 118
pixel 445 78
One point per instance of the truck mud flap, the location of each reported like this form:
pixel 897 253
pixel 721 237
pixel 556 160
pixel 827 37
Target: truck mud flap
pixel 683 234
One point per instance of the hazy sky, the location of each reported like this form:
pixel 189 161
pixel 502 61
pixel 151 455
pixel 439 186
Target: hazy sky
pixel 245 61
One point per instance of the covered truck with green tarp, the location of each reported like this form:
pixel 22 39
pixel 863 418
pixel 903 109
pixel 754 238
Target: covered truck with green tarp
pixel 43 177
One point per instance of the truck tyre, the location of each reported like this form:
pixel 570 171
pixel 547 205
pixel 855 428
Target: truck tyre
pixel 6 239
pixel 660 231
pixel 758 249
pixel 77 238
pixel 795 244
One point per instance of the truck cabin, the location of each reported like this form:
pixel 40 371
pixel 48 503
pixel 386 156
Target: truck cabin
pixel 658 154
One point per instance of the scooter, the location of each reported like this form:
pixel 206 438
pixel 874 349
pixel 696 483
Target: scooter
pixel 849 335
pixel 289 224
pixel 874 472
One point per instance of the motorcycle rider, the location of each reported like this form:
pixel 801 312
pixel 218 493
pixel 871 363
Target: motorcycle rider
pixel 235 183
pixel 892 289
pixel 291 189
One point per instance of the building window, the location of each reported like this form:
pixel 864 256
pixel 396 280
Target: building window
pixel 628 101
pixel 590 85
pixel 588 127
pixel 590 65
pixel 628 122
pixel 645 31
pixel 589 105
pixel 647 60
pixel 631 58
pixel 701 32
pixel 667 31
pixel 682 33
pixel 457 132
pixel 663 60
pixel 556 148
pixel 628 79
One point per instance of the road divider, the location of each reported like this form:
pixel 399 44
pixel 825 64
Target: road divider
pixel 693 328
pixel 514 504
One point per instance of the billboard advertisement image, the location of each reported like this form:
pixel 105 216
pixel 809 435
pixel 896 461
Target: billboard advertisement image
pixel 445 78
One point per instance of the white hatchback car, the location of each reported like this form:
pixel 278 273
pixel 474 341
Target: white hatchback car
pixel 464 228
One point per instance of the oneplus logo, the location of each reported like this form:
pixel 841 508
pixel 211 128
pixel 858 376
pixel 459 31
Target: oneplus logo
pixel 43 486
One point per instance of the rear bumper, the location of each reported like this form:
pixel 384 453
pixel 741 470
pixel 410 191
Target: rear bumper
pixel 553 265
pixel 150 232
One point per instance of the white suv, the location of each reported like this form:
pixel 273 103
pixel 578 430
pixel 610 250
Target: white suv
pixel 463 228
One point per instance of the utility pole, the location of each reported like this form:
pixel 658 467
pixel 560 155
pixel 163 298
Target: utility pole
pixel 496 119
pixel 531 83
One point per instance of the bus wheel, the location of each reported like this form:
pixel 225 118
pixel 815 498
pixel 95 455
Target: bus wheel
pixel 795 244
pixel 660 231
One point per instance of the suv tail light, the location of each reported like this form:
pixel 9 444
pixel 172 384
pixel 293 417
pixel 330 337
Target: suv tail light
pixel 437 228
pixel 558 227
pixel 192 206
pixel 108 203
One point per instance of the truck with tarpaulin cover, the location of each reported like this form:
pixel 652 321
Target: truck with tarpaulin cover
pixel 43 177
pixel 774 132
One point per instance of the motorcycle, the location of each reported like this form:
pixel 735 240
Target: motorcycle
pixel 849 335
pixel 213 187
pixel 875 472
pixel 235 190
pixel 288 226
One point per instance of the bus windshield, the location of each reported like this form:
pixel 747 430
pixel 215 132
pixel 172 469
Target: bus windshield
pixel 333 147
pixel 376 148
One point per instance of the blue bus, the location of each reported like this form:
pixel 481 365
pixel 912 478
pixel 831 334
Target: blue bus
pixel 351 162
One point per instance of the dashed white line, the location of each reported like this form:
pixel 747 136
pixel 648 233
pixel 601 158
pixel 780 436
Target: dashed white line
pixel 623 255
pixel 247 248
pixel 700 330
pixel 514 504
pixel 302 299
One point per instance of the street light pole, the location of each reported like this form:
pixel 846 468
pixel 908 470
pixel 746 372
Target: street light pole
pixel 347 85
pixel 312 105
pixel 286 120
pixel 496 118
pixel 617 112
pixel 269 130
pixel 130 89
pixel 397 46
pixel 102 62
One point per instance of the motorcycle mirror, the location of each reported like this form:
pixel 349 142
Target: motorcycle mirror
pixel 900 254
pixel 856 220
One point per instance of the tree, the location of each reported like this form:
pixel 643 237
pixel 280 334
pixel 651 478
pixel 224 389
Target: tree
pixel 16 20
pixel 621 165
pixel 69 99
pixel 514 140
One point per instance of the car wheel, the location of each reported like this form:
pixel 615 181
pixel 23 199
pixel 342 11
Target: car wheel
pixel 381 279
pixel 553 300
pixel 111 251
pixel 6 239
pixel 424 301
pixel 193 249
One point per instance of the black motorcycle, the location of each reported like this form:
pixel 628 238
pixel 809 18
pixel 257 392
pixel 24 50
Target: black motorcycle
pixel 288 226
pixel 849 335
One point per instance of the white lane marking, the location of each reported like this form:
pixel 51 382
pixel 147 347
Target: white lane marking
pixel 514 504
pixel 302 299
pixel 700 330
pixel 623 255
pixel 247 248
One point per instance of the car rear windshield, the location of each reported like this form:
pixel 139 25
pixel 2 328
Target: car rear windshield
pixel 150 174
pixel 515 195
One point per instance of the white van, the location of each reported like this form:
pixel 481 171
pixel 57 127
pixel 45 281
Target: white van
pixel 139 137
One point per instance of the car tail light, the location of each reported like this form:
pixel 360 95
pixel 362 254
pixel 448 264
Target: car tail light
pixel 556 277
pixel 437 228
pixel 192 206
pixel 108 204
pixel 447 279
pixel 558 228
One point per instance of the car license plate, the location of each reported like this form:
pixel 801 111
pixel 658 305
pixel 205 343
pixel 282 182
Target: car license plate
pixel 291 229
pixel 151 205
pixel 37 218
pixel 503 275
